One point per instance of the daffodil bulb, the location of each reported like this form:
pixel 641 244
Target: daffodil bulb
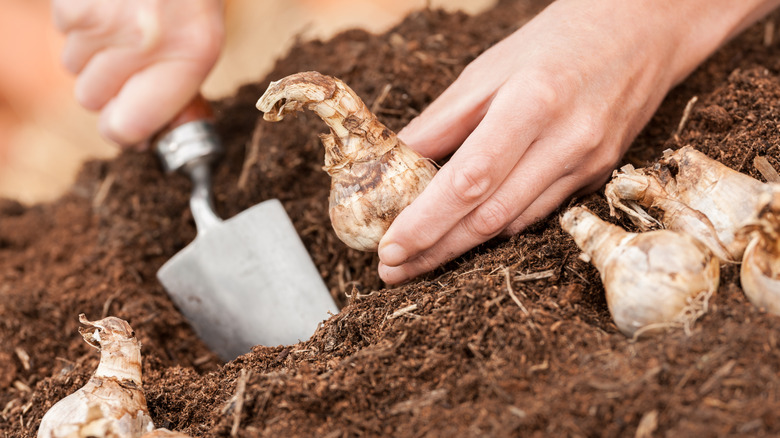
pixel 650 279
pixel 374 175
pixel 760 270
pixel 112 403
pixel 633 190
pixel 699 196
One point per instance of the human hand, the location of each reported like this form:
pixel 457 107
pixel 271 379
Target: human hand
pixel 544 114
pixel 139 62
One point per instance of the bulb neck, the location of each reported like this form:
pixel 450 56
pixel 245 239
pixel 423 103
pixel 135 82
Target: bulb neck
pixel 595 237
pixel 121 359
pixel 356 133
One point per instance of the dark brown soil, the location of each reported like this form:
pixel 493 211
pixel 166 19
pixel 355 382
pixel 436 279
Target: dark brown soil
pixel 467 360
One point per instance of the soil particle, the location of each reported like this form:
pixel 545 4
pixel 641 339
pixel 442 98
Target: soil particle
pixel 716 118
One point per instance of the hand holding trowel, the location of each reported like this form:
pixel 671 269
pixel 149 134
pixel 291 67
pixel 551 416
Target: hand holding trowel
pixel 244 281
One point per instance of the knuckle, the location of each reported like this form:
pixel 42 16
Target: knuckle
pixel 541 91
pixel 490 219
pixel 593 134
pixel 545 95
pixel 472 183
pixel 589 134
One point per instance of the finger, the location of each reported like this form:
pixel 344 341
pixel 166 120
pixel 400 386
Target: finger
pixel 528 181
pixel 447 122
pixel 479 226
pixel 474 172
pixel 547 203
pixel 73 14
pixel 429 260
pixel 143 106
pixel 103 77
pixel 82 46
pixel 78 51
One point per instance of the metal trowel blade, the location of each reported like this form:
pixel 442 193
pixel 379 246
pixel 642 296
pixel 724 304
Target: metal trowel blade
pixel 248 281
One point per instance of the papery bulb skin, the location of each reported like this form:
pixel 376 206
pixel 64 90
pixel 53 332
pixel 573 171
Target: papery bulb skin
pixel 649 278
pixel 637 185
pixel 112 403
pixel 598 239
pixel 761 280
pixel 630 185
pixel 760 270
pixel 728 198
pixel 374 175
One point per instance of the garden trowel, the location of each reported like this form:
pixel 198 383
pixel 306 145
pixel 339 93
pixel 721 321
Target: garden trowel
pixel 244 281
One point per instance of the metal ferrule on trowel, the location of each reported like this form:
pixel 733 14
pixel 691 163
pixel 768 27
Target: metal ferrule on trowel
pixel 192 148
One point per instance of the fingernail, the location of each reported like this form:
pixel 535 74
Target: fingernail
pixel 392 254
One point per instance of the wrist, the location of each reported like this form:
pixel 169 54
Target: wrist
pixel 680 34
pixel 700 27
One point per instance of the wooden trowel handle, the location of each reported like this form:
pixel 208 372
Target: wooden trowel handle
pixel 197 109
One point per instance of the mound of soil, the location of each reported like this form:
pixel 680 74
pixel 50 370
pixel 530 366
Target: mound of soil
pixel 511 338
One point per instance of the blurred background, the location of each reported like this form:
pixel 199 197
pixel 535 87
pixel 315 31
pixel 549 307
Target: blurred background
pixel 45 135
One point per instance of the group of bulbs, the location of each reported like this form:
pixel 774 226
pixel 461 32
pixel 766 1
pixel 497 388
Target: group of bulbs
pixel 709 214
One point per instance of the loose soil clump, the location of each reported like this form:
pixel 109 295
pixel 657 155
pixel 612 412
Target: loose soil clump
pixel 512 338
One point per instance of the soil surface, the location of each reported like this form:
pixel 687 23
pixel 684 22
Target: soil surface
pixel 449 354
